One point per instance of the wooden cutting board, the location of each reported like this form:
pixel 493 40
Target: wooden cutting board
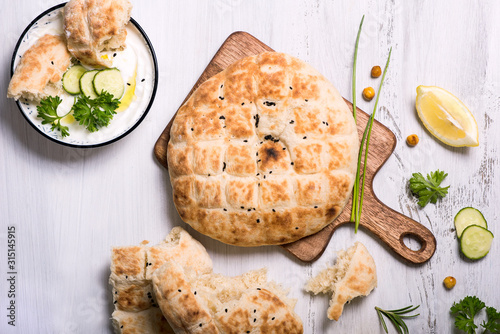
pixel 388 225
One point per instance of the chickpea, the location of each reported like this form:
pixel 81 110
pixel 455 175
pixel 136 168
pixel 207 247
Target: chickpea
pixel 412 140
pixel 368 93
pixel 376 71
pixel 449 282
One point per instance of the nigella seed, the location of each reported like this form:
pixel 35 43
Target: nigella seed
pixel 249 210
pixel 304 137
pixel 208 174
pixel 192 129
pixel 315 206
pixel 114 54
pixel 291 87
pixel 258 174
pixel 121 326
pixel 224 166
pixel 146 264
pixel 179 290
pixel 115 302
pixel 116 292
pixel 257 120
pixel 274 210
pixel 222 117
pixel 254 320
pixel 225 209
pixel 245 141
pixel 254 311
pixel 242 207
pixel 195 292
pixel 291 163
pixel 150 264
pixel 221 97
pixel 128 84
pixel 270 172
pixel 221 86
pixel 306 100
pixel 225 310
pixel 258 220
pixel 52 62
pixel 264 176
pixel 326 123
pixel 269 104
pixel 296 228
pixel 292 121
pixel 273 318
pixel 258 288
pixel 268 137
pixel 201 325
pixel 242 103
pixel 284 148
pixel 126 277
pixel 142 80
pixel 259 160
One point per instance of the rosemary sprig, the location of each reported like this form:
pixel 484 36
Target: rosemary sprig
pixel 356 181
pixel 396 317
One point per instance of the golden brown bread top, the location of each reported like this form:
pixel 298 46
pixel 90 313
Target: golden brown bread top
pixel 40 69
pixel 93 26
pixel 143 322
pixel 262 153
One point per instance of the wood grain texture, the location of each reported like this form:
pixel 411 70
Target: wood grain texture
pixel 388 225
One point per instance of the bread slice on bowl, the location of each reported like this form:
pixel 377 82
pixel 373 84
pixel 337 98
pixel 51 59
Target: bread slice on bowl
pixel 40 70
pixel 353 275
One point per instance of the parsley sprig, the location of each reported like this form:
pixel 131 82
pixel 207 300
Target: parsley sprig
pixel 95 113
pixel 47 111
pixel 428 190
pixel 396 317
pixel 465 311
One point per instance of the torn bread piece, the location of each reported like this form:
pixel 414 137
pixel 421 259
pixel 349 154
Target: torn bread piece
pixel 150 321
pixel 213 303
pixel 353 275
pixel 94 26
pixel 40 70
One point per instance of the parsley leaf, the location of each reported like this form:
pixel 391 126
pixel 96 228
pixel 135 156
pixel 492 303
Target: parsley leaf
pixel 493 324
pixel 95 113
pixel 428 190
pixel 465 311
pixel 47 111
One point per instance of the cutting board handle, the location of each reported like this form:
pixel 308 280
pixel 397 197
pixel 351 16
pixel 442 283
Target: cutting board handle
pixel 392 227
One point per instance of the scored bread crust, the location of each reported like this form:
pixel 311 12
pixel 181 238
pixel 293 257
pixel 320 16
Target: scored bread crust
pixel 262 153
pixel 40 70
pixel 93 26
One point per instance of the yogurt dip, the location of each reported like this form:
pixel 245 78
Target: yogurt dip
pixel 138 69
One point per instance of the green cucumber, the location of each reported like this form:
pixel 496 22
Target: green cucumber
pixel 86 85
pixel 467 217
pixel 475 242
pixel 71 79
pixel 111 81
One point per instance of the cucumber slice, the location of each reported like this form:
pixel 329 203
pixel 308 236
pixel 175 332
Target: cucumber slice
pixel 467 217
pixel 111 81
pixel 475 242
pixel 71 79
pixel 86 85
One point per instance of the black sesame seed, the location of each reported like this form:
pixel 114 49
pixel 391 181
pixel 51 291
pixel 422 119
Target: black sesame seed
pixel 304 137
pixel 296 228
pixel 146 264
pixel 292 121
pixel 52 62
pixel 284 148
pixel 315 206
pixel 258 220
pixel 326 123
pixel 114 54
pixel 225 310
pixel 268 137
pixel 121 326
pixel 242 103
pixel 195 292
pixel 257 153
pixel 254 320
pixel 150 264
pixel 259 160
pixel 126 277
pixel 245 141
pixel 115 302
pixel 254 311
pixel 242 207
pixel 128 84
pixel 258 288
pixel 208 174
pixel 274 210
pixel 222 117
pixel 249 210
pixel 270 172
pixel 258 174
pixel 225 209
pixel 248 331
pixel 179 290
pixel 116 292
pixel 273 318
pixel 291 87
pixel 306 100
pixel 201 325
pixel 291 163
pixel 142 80
pixel 192 129
pixel 264 176
pixel 221 86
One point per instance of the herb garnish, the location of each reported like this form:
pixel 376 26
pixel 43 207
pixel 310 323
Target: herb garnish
pixel 95 113
pixel 358 192
pixel 428 190
pixel 47 111
pixel 396 317
pixel 465 311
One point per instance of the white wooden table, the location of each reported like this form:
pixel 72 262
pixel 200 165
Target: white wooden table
pixel 69 206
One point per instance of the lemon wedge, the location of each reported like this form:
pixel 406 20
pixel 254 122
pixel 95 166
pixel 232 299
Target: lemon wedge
pixel 446 117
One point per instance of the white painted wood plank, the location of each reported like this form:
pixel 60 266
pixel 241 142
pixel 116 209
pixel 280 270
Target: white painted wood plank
pixel 70 206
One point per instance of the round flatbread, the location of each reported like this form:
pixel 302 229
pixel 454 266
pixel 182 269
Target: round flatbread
pixel 263 152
